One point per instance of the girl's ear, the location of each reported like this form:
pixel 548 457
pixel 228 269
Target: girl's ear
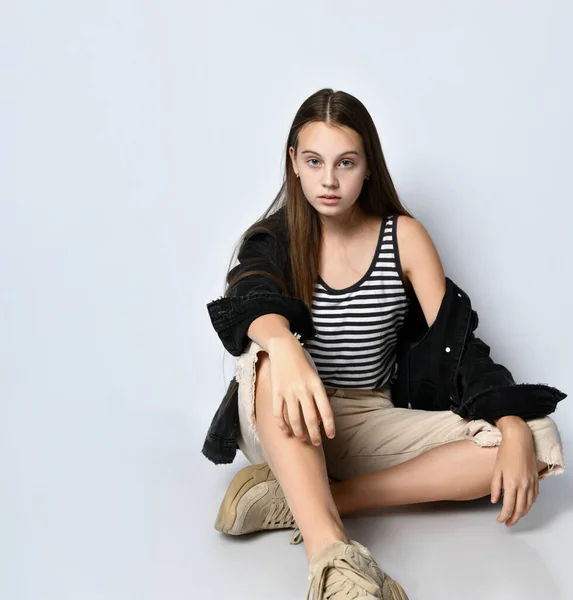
pixel 291 154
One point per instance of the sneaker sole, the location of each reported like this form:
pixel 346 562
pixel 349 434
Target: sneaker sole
pixel 241 483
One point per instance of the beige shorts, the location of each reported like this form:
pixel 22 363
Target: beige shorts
pixel 372 434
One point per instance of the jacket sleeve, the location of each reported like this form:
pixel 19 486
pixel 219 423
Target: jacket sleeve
pixel 488 390
pixel 256 295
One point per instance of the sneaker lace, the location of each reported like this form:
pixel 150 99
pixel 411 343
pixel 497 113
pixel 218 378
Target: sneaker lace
pixel 338 575
pixel 279 515
pixel 296 537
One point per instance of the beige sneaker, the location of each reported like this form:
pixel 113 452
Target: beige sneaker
pixel 343 571
pixel 255 501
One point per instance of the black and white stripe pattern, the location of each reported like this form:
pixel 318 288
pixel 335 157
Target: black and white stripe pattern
pixel 357 327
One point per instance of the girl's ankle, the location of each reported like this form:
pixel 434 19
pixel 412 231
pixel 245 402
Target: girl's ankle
pixel 315 546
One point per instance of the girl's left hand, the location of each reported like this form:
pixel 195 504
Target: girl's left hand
pixel 516 472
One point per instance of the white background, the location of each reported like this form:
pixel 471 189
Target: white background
pixel 138 140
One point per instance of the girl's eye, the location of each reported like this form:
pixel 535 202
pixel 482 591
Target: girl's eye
pixel 345 160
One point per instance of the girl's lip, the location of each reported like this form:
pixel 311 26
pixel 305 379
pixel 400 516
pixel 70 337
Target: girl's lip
pixel 329 197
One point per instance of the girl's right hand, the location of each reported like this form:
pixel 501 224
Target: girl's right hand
pixel 298 392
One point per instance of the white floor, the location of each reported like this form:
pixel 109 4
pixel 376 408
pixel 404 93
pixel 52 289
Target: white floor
pixel 94 518
pixel 443 551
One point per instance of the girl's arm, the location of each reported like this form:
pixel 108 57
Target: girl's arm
pixel 421 265
pixel 257 295
pixel 269 327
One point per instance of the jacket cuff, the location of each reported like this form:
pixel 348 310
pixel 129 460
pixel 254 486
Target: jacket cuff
pixel 525 400
pixel 231 317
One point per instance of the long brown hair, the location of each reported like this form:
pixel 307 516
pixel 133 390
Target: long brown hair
pixel 378 196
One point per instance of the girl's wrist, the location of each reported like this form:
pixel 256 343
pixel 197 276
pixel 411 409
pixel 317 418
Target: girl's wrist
pixel 510 423
pixel 281 342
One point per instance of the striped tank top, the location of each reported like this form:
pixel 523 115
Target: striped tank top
pixel 357 327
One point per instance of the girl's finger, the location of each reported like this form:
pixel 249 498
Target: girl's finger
pixel 288 429
pixel 530 500
pixel 496 486
pixel 278 405
pixel 520 506
pixel 325 412
pixel 508 504
pixel 311 420
pixel 295 418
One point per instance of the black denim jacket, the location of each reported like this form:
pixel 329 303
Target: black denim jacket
pixel 442 367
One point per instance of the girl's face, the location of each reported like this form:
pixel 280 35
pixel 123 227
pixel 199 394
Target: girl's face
pixel 330 160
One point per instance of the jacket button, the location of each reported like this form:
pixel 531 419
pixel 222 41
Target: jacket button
pixel 460 295
pixel 447 348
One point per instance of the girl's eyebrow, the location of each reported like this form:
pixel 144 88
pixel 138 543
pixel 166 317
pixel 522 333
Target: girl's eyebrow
pixel 348 152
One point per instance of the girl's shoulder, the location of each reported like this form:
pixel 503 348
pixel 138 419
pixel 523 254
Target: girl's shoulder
pixel 408 229
pixel 266 240
pixel 415 247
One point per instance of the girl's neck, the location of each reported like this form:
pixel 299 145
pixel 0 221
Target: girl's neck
pixel 346 227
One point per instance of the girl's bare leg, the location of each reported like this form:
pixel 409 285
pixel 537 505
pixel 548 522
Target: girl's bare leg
pixel 459 470
pixel 300 469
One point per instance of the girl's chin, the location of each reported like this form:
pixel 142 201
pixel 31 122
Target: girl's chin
pixel 328 206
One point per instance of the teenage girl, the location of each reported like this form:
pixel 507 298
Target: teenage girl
pixel 354 252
